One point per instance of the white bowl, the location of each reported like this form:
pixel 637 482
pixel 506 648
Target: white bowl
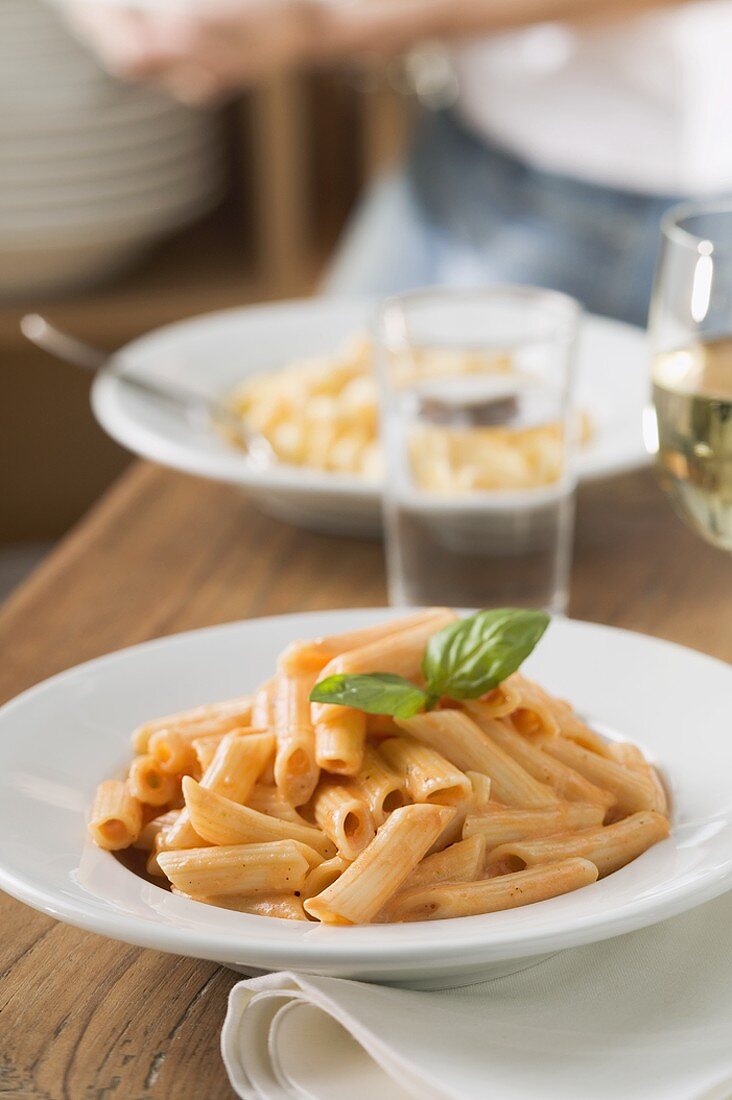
pixel 58 740
pixel 217 351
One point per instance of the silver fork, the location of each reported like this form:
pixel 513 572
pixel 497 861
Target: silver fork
pixel 198 408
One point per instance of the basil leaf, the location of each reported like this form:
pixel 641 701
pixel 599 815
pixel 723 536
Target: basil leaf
pixel 376 693
pixel 472 656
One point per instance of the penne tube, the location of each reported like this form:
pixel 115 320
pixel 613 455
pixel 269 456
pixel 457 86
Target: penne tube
pixel 263 705
pixel 494 894
pixel 567 783
pixel 477 802
pixel 149 831
pixel 609 847
pixel 152 866
pixel 454 734
pixel 276 867
pixel 631 757
pixel 633 792
pixel 324 875
pixel 284 906
pixel 268 800
pixel 381 725
pixel 461 862
pixel 377 873
pixel 173 752
pixel 502 700
pixel 427 775
pixel 199 722
pixel 205 749
pixel 115 821
pixel 501 825
pixel 235 768
pixel 342 812
pixel 149 783
pixel 534 712
pixel 571 726
pixel 218 820
pixel 313 656
pixel 340 736
pixel 296 771
pixel 382 788
pixel 340 732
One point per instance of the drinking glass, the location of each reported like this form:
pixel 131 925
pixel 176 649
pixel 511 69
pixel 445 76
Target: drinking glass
pixel 690 331
pixel 479 434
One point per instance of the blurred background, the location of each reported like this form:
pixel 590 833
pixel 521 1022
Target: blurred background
pixel 122 210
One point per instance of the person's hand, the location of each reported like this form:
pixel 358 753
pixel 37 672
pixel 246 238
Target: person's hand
pixel 200 53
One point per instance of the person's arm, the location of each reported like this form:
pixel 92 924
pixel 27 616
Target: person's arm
pixel 199 52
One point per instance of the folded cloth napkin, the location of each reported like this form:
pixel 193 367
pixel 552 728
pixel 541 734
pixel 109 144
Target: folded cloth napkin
pixel 646 1016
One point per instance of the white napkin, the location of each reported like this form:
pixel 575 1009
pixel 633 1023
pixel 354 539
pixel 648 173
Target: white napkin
pixel 647 1016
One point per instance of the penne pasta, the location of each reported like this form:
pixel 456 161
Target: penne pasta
pixel 340 732
pixel 235 768
pixel 378 872
pixel 460 862
pixel 534 713
pixel 277 806
pixel 567 783
pixel 263 705
pixel 476 802
pixel 501 825
pixel 462 742
pixel 382 788
pixel 324 875
pixel 609 847
pixel 427 775
pixel 342 812
pixel 571 726
pixel 149 783
pixel 501 700
pixel 149 831
pixel 631 757
pixel 296 771
pixel 275 867
pixel 218 820
pixel 493 894
pixel 268 800
pixel 305 656
pixel 115 821
pixel 283 906
pixel 340 735
pixel 173 752
pixel 205 749
pixel 633 792
pixel 199 722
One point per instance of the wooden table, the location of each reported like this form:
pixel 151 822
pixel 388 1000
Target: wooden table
pixel 84 1017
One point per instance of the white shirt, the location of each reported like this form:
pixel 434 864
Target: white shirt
pixel 643 105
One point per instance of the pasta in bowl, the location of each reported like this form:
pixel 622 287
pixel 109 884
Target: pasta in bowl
pixel 60 738
pixel 398 772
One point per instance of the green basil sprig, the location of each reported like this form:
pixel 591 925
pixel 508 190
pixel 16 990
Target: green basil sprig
pixel 463 661
pixel 375 693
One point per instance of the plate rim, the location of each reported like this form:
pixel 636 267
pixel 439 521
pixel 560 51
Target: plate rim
pixel 473 941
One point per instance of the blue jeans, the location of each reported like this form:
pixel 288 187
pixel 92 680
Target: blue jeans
pixel 462 213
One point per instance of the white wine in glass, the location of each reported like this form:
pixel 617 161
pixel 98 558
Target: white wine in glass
pixel 691 336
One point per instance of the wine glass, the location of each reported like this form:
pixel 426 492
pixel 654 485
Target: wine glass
pixel 690 330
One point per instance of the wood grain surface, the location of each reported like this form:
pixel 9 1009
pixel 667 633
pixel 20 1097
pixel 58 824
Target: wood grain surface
pixel 82 1017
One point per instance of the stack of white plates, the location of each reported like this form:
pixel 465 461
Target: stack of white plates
pixel 91 171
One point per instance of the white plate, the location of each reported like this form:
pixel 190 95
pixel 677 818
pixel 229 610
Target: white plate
pixel 58 740
pixel 216 351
